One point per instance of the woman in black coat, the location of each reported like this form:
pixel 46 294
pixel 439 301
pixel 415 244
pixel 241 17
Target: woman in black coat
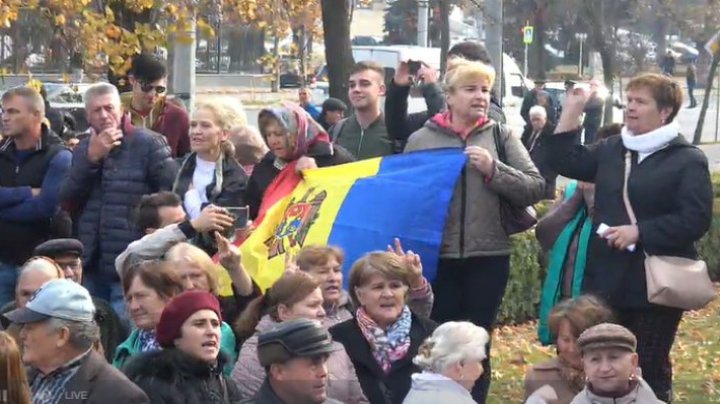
pixel 671 194
pixel 210 174
pixel 385 335
pixel 188 370
pixel 296 142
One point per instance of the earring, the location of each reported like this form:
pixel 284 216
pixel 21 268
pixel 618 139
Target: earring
pixel 632 377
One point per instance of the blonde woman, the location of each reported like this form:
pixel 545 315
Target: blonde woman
pixel 475 254
pixel 198 272
pixel 451 362
pixel 210 174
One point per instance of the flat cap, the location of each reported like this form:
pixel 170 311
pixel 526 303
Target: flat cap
pixel 607 335
pixel 300 338
pixel 59 246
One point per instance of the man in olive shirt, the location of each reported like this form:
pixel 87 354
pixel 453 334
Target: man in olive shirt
pixel 364 134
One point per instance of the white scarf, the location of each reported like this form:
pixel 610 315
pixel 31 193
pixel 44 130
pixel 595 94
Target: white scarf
pixel 650 142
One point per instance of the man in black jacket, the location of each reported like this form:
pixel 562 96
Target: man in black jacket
pixel 33 163
pixel 111 170
pixel 400 125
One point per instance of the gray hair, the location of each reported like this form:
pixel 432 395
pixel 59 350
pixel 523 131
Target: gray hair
pixel 83 334
pixel 450 343
pixel 32 97
pixel 98 90
pixel 538 110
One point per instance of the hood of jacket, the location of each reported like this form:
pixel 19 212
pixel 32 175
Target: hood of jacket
pixel 427 386
pixel 442 122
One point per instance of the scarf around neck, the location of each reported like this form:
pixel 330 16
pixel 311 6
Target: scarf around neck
pixel 387 346
pixel 650 142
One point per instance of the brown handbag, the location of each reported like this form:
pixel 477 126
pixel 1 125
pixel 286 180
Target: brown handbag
pixel 677 282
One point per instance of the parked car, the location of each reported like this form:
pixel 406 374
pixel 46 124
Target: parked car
pixel 68 99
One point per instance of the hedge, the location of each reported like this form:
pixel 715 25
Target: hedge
pixel 527 266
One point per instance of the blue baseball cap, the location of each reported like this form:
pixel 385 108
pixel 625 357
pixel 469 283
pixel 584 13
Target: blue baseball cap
pixel 58 298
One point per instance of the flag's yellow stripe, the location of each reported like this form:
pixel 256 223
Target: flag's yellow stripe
pixel 336 182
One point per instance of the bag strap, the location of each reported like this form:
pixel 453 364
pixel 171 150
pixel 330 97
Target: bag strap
pixel 626 198
pixel 336 129
pixel 499 143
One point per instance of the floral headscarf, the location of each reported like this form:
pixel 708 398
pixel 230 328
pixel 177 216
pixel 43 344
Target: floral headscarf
pixel 303 131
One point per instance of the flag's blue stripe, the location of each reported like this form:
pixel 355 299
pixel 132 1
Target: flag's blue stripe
pixel 409 198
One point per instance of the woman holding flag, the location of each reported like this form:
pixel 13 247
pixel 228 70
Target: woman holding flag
pixel 296 143
pixel 475 254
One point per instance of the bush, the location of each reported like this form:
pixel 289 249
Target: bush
pixel 709 246
pixel 522 294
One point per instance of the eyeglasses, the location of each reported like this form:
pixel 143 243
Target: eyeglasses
pixel 72 265
pixel 146 88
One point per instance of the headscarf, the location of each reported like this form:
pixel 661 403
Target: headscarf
pixel 300 127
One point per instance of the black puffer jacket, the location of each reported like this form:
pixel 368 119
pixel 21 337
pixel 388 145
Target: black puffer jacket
pixel 102 197
pixel 171 376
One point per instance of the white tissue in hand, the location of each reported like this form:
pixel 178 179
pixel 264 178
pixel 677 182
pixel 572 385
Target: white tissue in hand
pixel 602 228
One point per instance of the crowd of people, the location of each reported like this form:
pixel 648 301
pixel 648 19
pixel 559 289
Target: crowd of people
pixel 113 255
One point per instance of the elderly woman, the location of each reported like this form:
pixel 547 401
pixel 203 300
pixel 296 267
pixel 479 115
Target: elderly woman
pixel 475 254
pixel 293 137
pixel 250 148
pixel 210 174
pixel 295 295
pixel 564 373
pixel 148 287
pixel 188 368
pixel 611 367
pixel 385 334
pixel 670 193
pixel 451 360
pixel 198 272
pixel 324 263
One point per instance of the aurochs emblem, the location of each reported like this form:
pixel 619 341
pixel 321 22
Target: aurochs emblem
pixel 295 225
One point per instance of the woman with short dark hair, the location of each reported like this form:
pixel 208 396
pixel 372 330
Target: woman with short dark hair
pixel 670 192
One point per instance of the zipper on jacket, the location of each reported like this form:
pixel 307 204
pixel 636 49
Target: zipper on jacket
pixel 17 169
pixel 463 204
pixel 362 136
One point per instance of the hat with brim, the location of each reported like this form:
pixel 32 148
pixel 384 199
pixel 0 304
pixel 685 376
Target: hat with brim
pixel 300 338
pixel 607 336
pixel 24 315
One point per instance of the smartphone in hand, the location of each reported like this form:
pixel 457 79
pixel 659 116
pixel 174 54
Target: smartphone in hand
pixel 240 215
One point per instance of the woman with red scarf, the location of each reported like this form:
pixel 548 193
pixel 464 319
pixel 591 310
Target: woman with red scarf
pixel 475 253
pixel 296 143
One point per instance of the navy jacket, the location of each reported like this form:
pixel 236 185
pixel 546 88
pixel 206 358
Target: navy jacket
pixel 102 197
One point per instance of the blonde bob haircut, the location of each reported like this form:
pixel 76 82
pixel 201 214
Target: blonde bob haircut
pixel 452 342
pixel 461 72
pixel 188 254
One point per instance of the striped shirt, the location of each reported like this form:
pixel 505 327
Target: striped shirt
pixel 49 389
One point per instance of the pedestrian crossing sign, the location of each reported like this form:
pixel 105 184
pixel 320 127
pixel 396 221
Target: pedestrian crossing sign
pixel 528 34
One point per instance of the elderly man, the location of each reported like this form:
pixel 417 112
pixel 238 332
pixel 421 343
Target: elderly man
pixel 250 147
pixel 67 254
pixel 534 137
pixel 57 337
pixel 111 170
pixel 294 354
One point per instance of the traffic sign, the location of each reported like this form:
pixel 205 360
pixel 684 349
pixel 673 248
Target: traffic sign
pixel 528 34
pixel 713 45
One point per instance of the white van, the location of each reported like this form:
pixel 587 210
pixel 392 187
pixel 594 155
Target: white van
pixel 514 84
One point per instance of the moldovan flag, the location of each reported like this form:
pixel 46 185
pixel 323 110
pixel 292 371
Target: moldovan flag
pixel 361 207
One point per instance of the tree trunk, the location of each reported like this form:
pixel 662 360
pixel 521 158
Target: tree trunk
pixel 302 55
pixel 697 138
pixel 338 52
pixel 444 34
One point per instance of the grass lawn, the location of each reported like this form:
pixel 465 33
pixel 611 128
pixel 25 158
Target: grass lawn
pixel 695 356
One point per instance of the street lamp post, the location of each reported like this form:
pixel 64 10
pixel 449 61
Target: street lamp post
pixel 581 37
pixel 422 22
pixel 218 33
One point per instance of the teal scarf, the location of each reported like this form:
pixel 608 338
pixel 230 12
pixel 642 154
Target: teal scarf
pixel 552 288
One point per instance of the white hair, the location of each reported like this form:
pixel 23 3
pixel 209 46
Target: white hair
pixel 98 90
pixel 538 110
pixel 83 334
pixel 450 343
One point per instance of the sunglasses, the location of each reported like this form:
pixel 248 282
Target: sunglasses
pixel 146 88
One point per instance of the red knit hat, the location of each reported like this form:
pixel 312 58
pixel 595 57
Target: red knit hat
pixel 178 310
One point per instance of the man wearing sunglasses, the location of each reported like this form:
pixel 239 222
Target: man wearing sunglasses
pixel 148 106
